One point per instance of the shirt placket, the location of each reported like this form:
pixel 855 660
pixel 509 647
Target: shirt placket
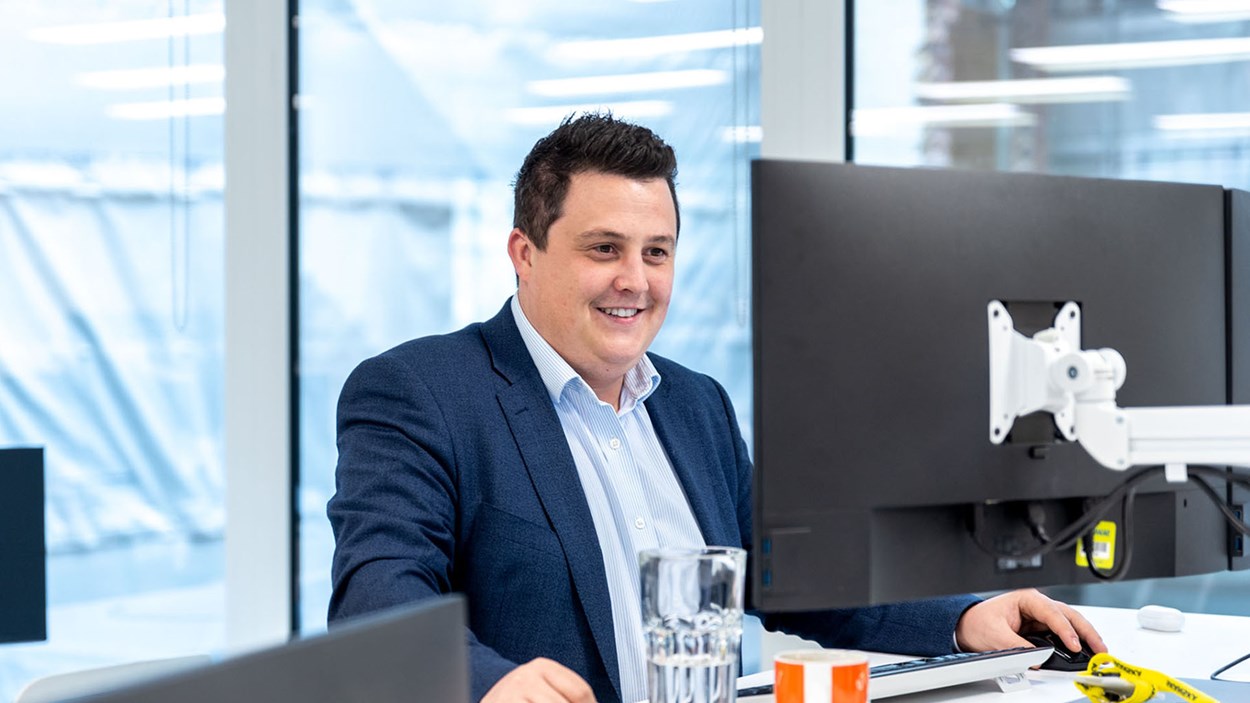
pixel 636 519
pixel 625 475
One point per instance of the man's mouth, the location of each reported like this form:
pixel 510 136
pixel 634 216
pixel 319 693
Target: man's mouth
pixel 620 312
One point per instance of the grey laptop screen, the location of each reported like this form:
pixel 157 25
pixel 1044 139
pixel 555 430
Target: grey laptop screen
pixel 410 653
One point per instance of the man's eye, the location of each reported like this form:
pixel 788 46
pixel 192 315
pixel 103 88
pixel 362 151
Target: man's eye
pixel 658 253
pixel 604 248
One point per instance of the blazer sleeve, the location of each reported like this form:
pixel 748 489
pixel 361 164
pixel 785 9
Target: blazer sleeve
pixel 395 508
pixel 922 628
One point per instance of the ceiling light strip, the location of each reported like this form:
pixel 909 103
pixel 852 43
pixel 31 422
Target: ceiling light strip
pixel 1028 91
pixel 135 30
pixel 1203 7
pixel 647 47
pixel 876 122
pixel 159 77
pixel 628 83
pixel 552 114
pixel 1203 121
pixel 163 110
pixel 1095 57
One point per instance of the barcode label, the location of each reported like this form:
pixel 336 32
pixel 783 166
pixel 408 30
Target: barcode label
pixel 1103 547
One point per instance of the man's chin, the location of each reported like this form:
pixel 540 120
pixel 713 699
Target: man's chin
pixel 624 358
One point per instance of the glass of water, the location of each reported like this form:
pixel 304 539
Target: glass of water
pixel 692 621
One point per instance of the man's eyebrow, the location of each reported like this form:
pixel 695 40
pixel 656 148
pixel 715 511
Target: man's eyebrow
pixel 664 239
pixel 600 234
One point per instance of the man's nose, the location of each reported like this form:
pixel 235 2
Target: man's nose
pixel 632 275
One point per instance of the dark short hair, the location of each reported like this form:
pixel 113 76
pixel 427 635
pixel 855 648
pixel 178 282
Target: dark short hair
pixel 592 142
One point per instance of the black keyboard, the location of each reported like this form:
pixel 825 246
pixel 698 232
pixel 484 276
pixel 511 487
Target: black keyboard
pixel 914 675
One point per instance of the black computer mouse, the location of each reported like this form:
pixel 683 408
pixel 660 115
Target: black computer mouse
pixel 1063 659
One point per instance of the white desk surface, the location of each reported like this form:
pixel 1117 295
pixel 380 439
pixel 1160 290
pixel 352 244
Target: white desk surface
pixel 1206 643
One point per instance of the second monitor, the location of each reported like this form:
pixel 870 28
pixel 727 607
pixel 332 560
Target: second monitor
pixel 876 480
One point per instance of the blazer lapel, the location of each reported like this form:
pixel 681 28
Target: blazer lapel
pixel 544 449
pixel 668 409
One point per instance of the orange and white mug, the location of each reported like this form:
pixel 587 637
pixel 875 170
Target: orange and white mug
pixel 820 676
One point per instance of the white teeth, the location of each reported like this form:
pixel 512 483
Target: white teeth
pixel 620 312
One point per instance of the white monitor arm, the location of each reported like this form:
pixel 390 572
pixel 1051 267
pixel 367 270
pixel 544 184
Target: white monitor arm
pixel 1050 372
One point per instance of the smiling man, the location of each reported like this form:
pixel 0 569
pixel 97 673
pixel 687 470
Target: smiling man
pixel 524 461
pixel 597 288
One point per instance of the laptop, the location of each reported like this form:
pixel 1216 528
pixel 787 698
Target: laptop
pixel 415 652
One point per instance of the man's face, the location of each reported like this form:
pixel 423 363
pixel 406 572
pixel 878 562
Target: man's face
pixel 599 292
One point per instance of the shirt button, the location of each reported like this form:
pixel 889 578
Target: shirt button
pixel 640 523
pixel 614 443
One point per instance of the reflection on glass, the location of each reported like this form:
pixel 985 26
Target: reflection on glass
pixel 111 320
pixel 1146 89
pixel 414 120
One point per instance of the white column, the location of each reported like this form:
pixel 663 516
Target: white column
pixel 803 79
pixel 257 423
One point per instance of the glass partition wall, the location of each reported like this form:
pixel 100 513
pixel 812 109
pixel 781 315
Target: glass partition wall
pixel 413 121
pixel 111 303
pixel 1136 89
pixel 1143 89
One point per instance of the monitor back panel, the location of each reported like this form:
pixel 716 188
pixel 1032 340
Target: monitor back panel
pixel 871 353
pixel 413 653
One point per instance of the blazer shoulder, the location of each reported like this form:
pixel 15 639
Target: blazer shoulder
pixel 437 361
pixel 683 379
pixel 454 348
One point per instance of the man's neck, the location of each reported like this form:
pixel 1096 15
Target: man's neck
pixel 610 394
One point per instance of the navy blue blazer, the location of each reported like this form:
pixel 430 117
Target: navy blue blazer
pixel 454 475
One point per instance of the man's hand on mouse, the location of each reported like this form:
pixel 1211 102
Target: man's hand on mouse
pixel 997 623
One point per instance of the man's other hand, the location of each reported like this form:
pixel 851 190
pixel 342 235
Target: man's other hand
pixel 997 623
pixel 541 681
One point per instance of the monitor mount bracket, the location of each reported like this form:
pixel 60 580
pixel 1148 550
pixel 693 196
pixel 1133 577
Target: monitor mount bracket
pixel 1050 372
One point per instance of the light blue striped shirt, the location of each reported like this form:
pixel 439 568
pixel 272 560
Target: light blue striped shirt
pixel 634 496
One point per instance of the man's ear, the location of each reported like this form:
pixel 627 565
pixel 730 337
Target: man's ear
pixel 521 251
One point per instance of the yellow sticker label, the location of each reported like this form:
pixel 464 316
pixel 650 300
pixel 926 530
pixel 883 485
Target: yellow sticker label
pixel 1104 547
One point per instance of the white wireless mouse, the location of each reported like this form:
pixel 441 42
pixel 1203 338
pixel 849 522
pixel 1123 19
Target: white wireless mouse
pixel 1161 618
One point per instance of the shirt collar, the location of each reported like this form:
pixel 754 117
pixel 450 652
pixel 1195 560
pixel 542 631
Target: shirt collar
pixel 640 381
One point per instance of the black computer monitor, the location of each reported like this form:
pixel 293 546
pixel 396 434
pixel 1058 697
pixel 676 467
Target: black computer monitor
pixel 875 479
pixel 23 571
